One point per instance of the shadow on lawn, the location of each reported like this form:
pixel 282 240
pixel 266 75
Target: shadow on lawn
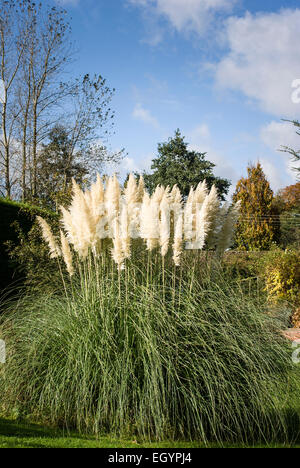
pixel 11 428
pixel 16 434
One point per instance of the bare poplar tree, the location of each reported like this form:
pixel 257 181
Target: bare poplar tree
pixel 49 52
pixel 14 29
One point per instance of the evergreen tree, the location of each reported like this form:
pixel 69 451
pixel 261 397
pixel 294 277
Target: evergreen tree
pixel 258 225
pixel 176 164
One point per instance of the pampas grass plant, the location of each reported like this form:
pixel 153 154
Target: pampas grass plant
pixel 146 341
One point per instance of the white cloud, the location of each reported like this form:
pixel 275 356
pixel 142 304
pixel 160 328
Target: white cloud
pixel 140 113
pixel 263 59
pixel 186 15
pixel 278 134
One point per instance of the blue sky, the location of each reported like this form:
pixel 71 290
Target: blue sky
pixel 219 70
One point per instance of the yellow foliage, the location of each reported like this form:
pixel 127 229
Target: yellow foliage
pixel 257 224
pixel 282 275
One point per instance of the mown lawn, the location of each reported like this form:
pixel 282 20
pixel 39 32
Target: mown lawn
pixel 14 434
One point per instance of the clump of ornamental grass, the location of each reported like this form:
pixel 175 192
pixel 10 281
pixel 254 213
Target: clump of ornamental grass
pixel 184 354
pixel 149 337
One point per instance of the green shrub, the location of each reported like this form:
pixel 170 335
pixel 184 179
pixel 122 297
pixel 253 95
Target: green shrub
pixel 16 220
pixel 281 270
pixel 242 265
pixel 30 257
pixel 152 351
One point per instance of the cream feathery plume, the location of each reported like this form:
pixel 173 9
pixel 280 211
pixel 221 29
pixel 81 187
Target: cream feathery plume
pixel 106 212
pixel 131 190
pixel 145 217
pixel 175 195
pixel 206 218
pixel 68 225
pixel 140 189
pixel 152 244
pixel 81 211
pixel 167 192
pixel 197 198
pixel 124 229
pixel 164 227
pixel 178 238
pixel 66 253
pixel 150 221
pixel 158 194
pixel 116 193
pixel 49 238
pixel 102 230
pixel 112 203
pixel 161 199
pixel 214 211
pixel 97 198
pixel 153 231
pixel 131 198
pixel 97 211
pixel 202 225
pixel 189 232
pixel 176 209
pixel 113 191
pixel 190 219
pixel 134 215
pixel 191 195
pixel 83 222
pixel 88 198
pixel 227 230
pixel 117 251
pixel 201 192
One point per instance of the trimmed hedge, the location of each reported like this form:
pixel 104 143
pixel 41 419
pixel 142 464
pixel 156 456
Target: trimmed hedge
pixel 10 213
